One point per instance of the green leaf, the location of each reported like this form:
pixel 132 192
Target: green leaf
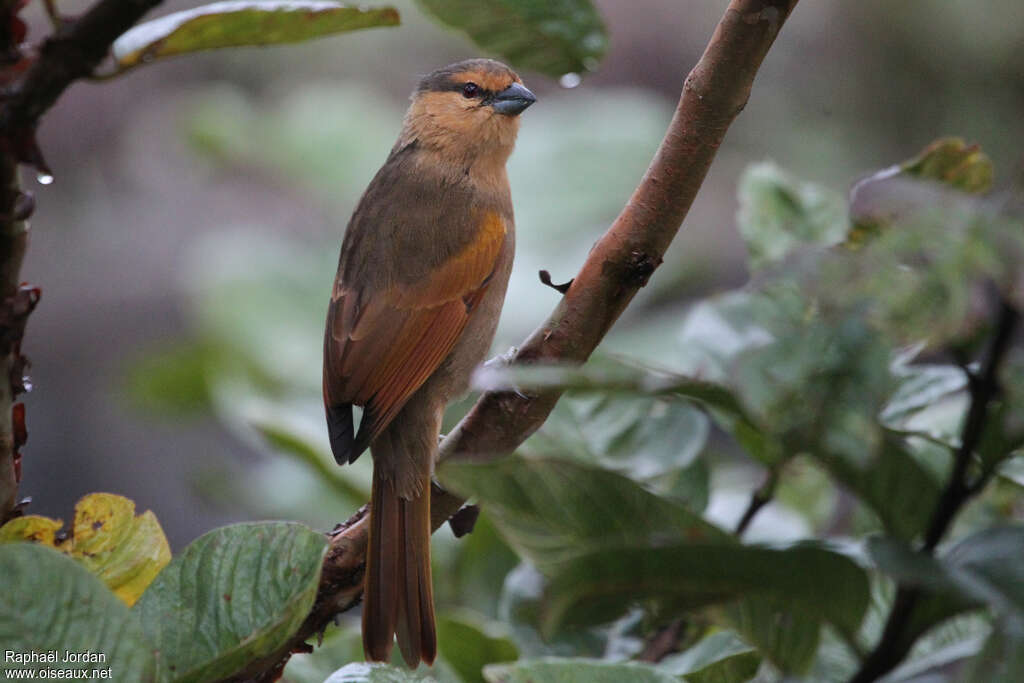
pixel 522 597
pixel 942 599
pixel 983 569
pixel 715 331
pixel 718 658
pixel 552 510
pixel 655 441
pixel 554 37
pixel 894 557
pixel 602 584
pixel 473 575
pixel 778 214
pixel 836 368
pixel 235 594
pixel 237 23
pixel 1001 660
pixel 920 386
pixel 787 638
pixel 468 643
pixel 1004 428
pixel 378 673
pixel 575 670
pixel 894 484
pixel 987 566
pixel 685 435
pixel 344 644
pixel 49 602
pixel 940 648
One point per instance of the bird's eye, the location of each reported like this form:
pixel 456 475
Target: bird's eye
pixel 470 90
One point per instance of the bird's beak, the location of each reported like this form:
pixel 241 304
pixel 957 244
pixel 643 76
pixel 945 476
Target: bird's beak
pixel 513 100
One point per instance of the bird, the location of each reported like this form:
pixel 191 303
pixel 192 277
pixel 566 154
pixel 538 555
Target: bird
pixel 422 275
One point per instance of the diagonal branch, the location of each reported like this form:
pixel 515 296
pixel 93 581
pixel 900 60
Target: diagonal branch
pixel 620 264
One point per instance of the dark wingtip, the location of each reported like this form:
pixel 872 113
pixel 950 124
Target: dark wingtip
pixel 376 650
pixel 429 648
pixel 341 432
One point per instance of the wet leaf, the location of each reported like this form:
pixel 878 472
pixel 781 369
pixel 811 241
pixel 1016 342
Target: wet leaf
pixel 788 639
pixel 552 510
pixel 553 37
pixel 575 670
pixel 233 595
pixel 779 213
pixel 655 441
pixel 718 658
pixel 600 585
pixel 468 643
pixel 50 602
pixel 893 483
pixel 376 672
pixel 522 597
pixel 238 23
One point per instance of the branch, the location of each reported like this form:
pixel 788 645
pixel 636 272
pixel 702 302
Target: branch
pixel 896 641
pixel 620 264
pixel 13 241
pixel 70 53
pixel 758 499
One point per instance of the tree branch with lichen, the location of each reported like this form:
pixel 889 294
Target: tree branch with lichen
pixel 621 262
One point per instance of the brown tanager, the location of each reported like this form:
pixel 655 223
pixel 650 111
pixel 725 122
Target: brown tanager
pixel 421 280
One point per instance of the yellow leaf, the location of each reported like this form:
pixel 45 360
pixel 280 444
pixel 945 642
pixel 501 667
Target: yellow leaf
pixel 953 162
pixel 124 550
pixel 32 528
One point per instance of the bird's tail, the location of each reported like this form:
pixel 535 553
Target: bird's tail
pixel 398 595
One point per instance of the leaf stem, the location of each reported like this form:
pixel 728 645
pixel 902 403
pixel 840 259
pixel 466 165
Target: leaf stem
pixel 758 499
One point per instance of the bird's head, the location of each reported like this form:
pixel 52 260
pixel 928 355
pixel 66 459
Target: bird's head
pixel 468 109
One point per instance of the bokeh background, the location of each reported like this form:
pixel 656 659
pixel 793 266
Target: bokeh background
pixel 187 246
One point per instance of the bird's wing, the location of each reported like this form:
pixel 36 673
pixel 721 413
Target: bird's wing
pixel 383 345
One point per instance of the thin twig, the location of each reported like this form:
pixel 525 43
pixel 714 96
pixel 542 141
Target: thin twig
pixel 616 268
pixel 983 389
pixel 896 641
pixel 665 642
pixel 758 499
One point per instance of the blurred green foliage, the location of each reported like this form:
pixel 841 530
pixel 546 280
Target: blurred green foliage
pixel 554 37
